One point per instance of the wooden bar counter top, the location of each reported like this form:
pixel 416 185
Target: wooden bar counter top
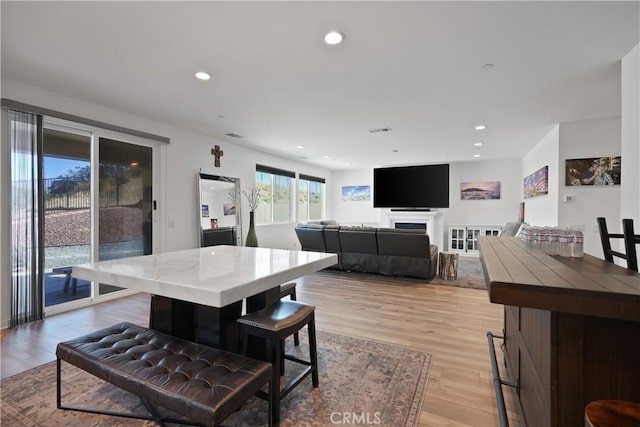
pixel 572 329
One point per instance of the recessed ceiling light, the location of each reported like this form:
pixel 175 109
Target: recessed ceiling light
pixel 481 127
pixel 478 144
pixel 346 164
pixel 299 147
pixel 202 75
pixel 476 155
pixel 326 157
pixel 333 37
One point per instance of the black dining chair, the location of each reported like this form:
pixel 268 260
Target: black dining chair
pixel 628 236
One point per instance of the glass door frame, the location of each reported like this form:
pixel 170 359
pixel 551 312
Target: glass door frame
pixel 95 134
pixel 75 130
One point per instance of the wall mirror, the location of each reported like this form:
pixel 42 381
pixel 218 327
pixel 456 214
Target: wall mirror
pixel 219 216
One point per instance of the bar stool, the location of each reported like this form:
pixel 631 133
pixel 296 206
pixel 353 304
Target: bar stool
pixel 274 323
pixel 630 242
pixel 612 413
pixel 289 289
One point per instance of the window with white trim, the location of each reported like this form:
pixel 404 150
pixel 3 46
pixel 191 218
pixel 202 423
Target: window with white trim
pixel 276 190
pixel 310 197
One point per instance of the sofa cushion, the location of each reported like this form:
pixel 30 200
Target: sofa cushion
pixel 511 229
pixel 332 243
pixel 409 243
pixel 406 253
pixel 311 237
pixel 359 249
pixel 323 222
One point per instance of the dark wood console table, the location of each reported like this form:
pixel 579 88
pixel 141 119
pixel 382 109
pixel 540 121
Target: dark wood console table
pixel 571 329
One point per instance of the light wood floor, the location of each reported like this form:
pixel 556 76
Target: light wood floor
pixel 450 323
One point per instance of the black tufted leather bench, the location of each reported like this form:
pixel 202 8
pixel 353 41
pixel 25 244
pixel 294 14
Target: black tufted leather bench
pixel 201 383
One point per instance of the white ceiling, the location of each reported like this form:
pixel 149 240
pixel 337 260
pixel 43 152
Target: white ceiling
pixel 415 67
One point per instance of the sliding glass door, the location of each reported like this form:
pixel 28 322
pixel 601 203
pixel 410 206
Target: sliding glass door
pixel 98 205
pixel 67 213
pixel 125 202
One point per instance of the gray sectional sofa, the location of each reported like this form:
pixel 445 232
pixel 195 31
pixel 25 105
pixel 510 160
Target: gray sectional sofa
pixel 388 251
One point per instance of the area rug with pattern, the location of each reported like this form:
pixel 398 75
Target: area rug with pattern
pixel 470 275
pixel 360 381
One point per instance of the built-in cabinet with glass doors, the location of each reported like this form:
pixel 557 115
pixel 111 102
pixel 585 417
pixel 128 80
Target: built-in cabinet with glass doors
pixel 463 238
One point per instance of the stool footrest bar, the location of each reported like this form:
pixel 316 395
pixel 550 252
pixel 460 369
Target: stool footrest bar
pixel 498 382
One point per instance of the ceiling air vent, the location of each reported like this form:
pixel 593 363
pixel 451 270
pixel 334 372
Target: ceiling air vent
pixel 379 130
pixel 233 135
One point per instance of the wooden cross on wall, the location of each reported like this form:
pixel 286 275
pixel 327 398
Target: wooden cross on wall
pixel 217 152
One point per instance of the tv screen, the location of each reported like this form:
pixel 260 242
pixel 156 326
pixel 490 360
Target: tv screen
pixel 425 186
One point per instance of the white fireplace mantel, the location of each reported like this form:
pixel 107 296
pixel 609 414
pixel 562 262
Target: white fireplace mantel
pixel 432 219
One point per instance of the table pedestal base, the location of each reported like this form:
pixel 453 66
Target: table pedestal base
pixel 212 326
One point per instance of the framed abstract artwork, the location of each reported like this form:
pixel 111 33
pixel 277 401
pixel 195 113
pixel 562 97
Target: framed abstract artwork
pixel 537 184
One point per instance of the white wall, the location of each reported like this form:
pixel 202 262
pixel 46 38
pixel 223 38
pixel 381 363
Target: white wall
pixel 586 139
pixel 181 160
pixel 630 187
pixel 483 212
pixel 543 210
pixel 354 213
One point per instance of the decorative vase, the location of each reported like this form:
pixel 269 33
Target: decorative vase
pixel 252 238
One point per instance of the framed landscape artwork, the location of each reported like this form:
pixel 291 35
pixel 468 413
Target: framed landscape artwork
pixel 480 190
pixel 205 211
pixel 537 184
pixel 593 171
pixel 356 193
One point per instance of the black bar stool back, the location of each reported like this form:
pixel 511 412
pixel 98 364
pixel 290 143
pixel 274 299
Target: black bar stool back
pixel 630 242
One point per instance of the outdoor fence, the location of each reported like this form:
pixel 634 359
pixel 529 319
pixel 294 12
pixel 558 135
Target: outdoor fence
pixel 63 194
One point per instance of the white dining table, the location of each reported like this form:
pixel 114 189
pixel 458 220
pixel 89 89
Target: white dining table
pixel 198 294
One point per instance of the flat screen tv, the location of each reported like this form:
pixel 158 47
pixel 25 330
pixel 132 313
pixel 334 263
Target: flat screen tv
pixel 425 186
